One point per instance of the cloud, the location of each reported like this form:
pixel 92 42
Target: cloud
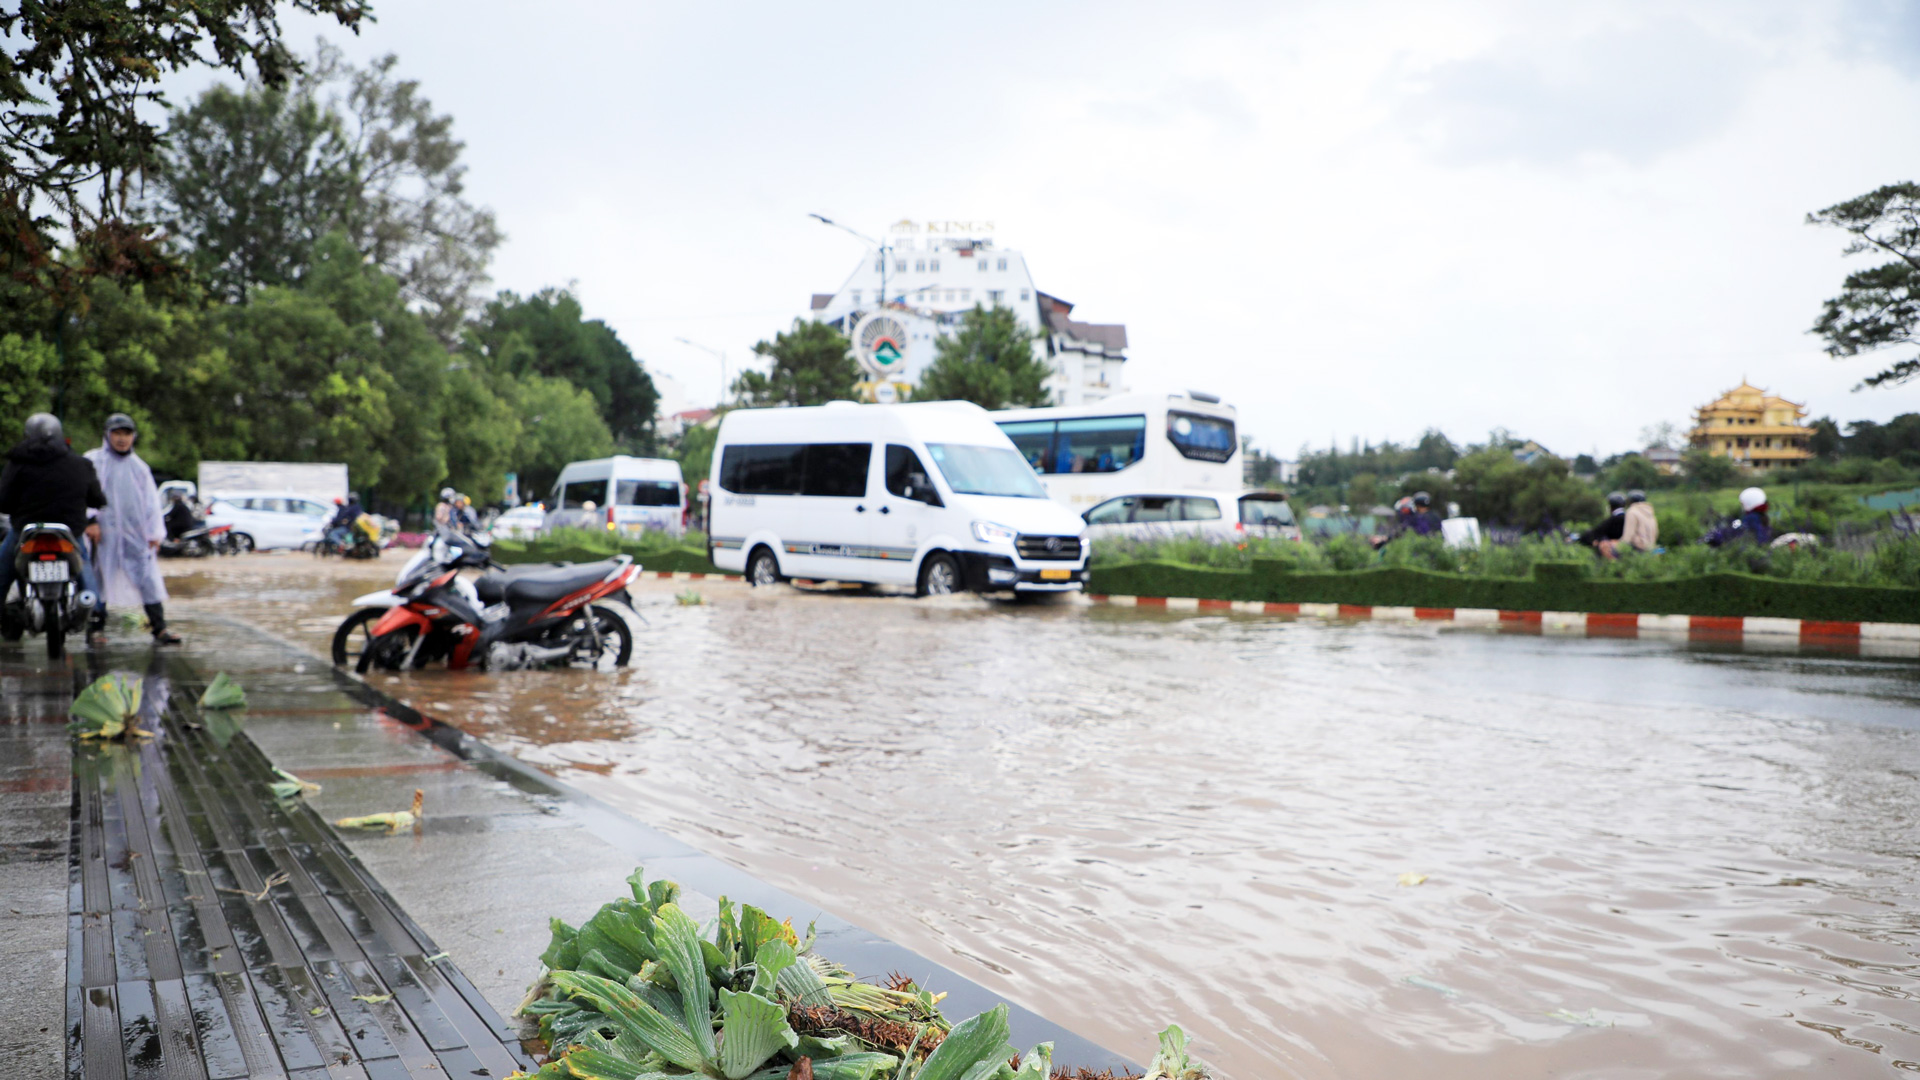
pixel 1632 95
pixel 1182 100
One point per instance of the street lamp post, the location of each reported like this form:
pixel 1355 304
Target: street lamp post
pixel 885 250
pixel 721 354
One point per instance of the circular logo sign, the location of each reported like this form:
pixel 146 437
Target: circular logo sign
pixel 880 343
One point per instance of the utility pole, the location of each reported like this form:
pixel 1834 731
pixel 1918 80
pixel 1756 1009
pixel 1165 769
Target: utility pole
pixel 721 354
pixel 885 250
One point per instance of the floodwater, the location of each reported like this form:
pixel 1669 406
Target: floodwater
pixel 1641 858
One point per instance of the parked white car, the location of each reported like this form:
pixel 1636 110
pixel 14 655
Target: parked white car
pixel 264 521
pixel 521 522
pixel 1219 514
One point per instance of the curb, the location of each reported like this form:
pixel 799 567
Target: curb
pixel 689 575
pixel 1902 639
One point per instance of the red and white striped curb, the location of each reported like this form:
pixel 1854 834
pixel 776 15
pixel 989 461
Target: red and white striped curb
pixel 1897 638
pixel 688 575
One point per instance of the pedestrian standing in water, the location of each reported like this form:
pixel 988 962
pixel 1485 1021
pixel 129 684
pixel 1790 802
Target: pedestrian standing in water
pixel 132 525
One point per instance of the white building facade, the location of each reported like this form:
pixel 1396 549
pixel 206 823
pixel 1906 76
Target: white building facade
pixel 931 273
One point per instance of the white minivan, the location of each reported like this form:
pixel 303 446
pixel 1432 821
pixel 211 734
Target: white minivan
pixel 622 494
pixel 931 495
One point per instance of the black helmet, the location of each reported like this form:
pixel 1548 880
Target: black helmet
pixel 1421 498
pixel 1635 496
pixel 44 426
pixel 353 497
pixel 122 422
pixel 1616 500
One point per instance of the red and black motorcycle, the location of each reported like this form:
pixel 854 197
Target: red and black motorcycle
pixel 508 618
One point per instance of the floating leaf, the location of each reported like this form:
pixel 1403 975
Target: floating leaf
pixel 108 706
pixel 971 1043
pixel 373 999
pixel 290 785
pixel 223 693
pixel 1411 878
pixel 392 822
pixel 752 1029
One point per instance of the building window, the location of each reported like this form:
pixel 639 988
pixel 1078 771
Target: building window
pixel 1003 264
pixel 855 296
pixel 983 265
pixel 919 266
pixel 1023 294
pixel 899 266
pixel 966 296
pixel 933 265
pixel 994 295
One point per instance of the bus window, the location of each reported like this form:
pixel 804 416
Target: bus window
pixel 1032 438
pixel 1099 444
pixel 580 492
pixel 1194 508
pixel 1202 438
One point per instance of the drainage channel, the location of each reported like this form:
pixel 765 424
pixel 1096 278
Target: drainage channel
pixel 502 847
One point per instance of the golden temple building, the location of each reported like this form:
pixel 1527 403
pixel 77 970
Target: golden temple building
pixel 1753 427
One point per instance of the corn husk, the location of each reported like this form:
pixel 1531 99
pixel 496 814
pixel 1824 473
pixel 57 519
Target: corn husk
pixel 290 786
pixel 392 822
pixel 223 693
pixel 107 707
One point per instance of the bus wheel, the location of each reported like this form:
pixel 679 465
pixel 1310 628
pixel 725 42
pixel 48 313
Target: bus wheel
pixel 939 575
pixel 763 568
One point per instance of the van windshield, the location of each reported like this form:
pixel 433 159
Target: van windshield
pixel 985 470
pixel 648 492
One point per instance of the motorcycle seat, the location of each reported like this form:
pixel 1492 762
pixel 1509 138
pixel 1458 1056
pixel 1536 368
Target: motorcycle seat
pixel 527 584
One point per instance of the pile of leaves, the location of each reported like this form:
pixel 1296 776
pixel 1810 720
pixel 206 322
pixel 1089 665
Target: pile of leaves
pixel 107 708
pixel 641 992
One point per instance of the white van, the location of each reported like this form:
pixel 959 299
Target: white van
pixel 626 494
pixel 931 495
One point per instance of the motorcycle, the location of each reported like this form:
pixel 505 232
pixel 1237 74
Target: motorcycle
pixel 361 542
pixel 49 597
pixel 508 618
pixel 199 543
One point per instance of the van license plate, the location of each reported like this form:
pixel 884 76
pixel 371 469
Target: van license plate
pixel 1056 575
pixel 48 571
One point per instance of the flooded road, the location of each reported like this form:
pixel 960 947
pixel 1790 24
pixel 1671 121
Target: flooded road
pixel 1640 858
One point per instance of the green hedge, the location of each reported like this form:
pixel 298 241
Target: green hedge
pixel 652 558
pixel 1553 587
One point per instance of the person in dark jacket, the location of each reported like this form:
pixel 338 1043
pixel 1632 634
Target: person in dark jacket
pixel 1604 538
pixel 1424 521
pixel 181 519
pixel 45 481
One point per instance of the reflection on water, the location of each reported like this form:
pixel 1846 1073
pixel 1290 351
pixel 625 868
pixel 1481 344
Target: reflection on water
pixel 1641 858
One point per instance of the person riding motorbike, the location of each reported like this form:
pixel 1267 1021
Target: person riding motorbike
pixel 1424 521
pixel 340 529
pixel 1754 523
pixel 1605 537
pixel 45 481
pixel 443 511
pixel 1640 529
pixel 131 530
pixel 181 518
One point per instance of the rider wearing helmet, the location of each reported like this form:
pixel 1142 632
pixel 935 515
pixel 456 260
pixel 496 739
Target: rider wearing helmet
pixel 132 526
pixel 443 513
pixel 1604 537
pixel 340 529
pixel 1754 519
pixel 45 481
pixel 1640 530
pixel 1424 521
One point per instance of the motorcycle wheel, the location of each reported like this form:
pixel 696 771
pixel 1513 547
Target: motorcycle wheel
pixel 355 636
pixel 388 651
pixel 616 640
pixel 241 544
pixel 199 549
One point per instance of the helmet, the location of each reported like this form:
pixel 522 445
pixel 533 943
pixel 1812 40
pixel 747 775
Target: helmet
pixel 1752 499
pixel 1421 498
pixel 122 422
pixel 446 493
pixel 1402 504
pixel 1636 496
pixel 42 425
pixel 353 496
pixel 1616 500
pixel 338 501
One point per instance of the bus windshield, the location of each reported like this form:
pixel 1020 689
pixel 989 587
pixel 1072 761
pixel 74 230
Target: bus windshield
pixel 985 470
pixel 1201 438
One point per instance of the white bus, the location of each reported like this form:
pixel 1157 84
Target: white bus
pixel 1127 444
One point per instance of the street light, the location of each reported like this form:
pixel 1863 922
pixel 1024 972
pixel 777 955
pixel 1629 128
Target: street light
pixel 722 355
pixel 885 250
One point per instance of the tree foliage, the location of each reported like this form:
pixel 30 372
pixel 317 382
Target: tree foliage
pixel 547 334
pixel 1493 485
pixel 1878 307
pixel 812 364
pixel 988 361
pixel 252 178
pixel 77 81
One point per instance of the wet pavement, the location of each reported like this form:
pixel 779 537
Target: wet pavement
pixel 1632 857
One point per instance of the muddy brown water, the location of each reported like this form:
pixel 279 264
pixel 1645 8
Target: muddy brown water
pixel 1641 858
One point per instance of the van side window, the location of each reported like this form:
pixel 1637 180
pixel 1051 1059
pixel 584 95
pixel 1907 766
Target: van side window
pixel 907 478
pixel 1198 509
pixel 577 494
pixel 762 470
pixel 1111 512
pixel 837 469
pixel 1156 508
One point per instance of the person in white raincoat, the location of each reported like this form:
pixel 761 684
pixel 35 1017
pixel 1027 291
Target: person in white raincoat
pixel 131 527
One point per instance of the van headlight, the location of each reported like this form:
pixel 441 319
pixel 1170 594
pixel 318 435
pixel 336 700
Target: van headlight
pixel 989 533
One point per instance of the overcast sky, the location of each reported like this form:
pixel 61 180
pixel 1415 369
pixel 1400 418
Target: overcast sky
pixel 1347 218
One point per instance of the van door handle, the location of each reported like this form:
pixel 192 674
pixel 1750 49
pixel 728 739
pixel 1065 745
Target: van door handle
pixel 861 509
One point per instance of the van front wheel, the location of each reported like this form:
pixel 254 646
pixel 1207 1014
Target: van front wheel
pixel 763 568
pixel 939 575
